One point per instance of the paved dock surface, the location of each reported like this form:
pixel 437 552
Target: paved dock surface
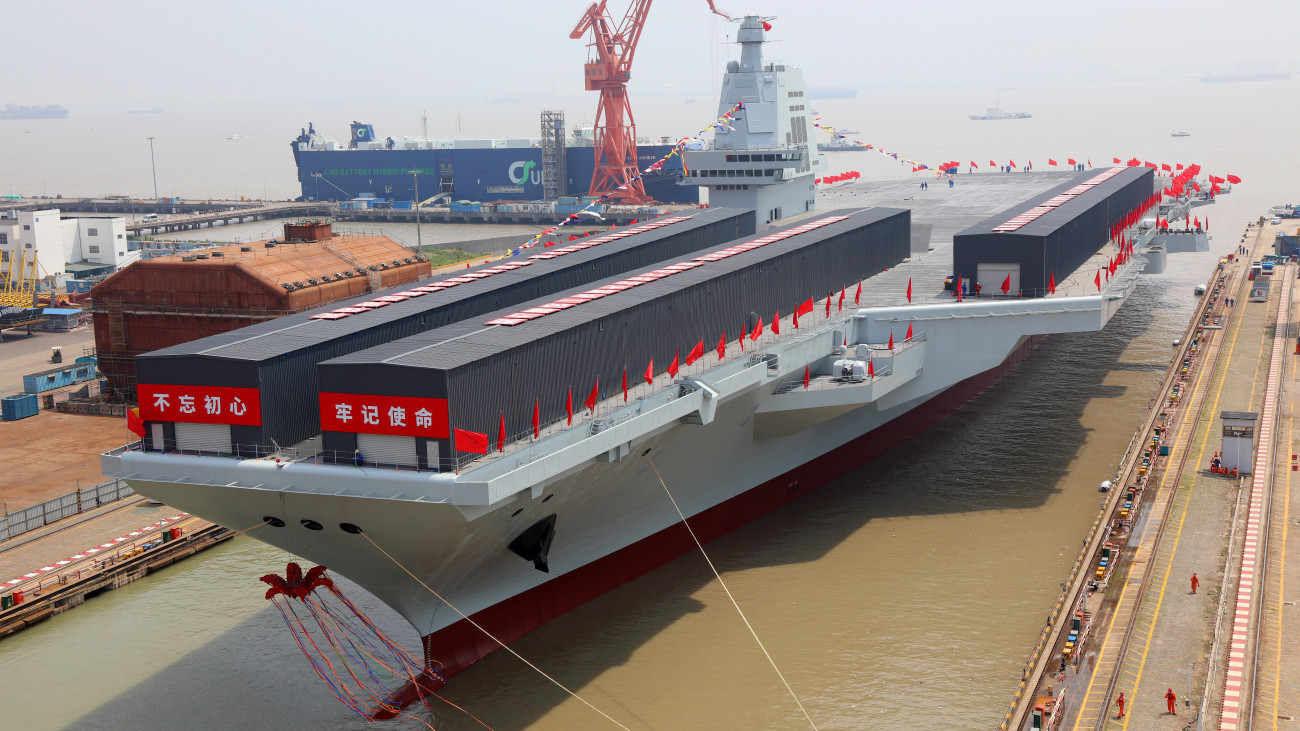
pixel 1223 649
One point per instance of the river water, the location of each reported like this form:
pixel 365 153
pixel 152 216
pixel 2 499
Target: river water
pixel 907 592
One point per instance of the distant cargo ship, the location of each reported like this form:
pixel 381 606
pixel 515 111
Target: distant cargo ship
pixel 1210 78
pixel 482 169
pixel 995 113
pixel 53 111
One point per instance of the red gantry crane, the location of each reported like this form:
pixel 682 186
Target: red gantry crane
pixel 608 69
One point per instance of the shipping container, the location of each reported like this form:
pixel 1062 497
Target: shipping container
pixel 57 378
pixel 538 352
pixel 1065 227
pixel 13 408
pixel 267 372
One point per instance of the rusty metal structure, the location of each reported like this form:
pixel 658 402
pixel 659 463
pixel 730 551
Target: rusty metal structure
pixel 157 303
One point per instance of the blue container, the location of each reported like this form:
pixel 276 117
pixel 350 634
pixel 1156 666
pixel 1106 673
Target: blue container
pixel 58 377
pixel 13 408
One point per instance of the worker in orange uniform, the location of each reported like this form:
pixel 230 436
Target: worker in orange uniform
pixel 1120 702
pixel 1195 583
pixel 1171 699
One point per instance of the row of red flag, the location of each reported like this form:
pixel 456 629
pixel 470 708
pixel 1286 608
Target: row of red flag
pixel 828 179
pixel 477 442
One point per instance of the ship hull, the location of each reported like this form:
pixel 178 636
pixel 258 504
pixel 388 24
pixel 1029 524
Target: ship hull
pixel 613 521
pixel 456 647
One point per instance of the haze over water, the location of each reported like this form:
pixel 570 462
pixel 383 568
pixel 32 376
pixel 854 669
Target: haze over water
pixel 911 588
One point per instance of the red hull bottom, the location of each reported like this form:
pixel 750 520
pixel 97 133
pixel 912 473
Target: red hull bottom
pixel 457 646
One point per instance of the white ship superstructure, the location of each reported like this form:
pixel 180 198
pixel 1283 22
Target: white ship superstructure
pixel 766 160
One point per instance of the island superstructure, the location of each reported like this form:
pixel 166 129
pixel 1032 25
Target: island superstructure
pixel 767 160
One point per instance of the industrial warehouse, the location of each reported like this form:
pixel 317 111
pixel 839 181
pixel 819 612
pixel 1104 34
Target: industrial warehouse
pixel 160 302
pixel 546 350
pixel 1052 233
pixel 270 368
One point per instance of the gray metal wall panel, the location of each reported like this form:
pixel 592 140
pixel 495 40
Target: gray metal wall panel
pixel 504 378
pixel 1059 245
pixel 283 365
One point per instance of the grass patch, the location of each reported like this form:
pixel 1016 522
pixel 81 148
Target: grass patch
pixel 441 257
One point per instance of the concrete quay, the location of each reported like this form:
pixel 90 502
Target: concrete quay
pixel 1221 648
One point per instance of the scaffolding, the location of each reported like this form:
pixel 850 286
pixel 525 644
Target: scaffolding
pixel 554 176
pixel 18 283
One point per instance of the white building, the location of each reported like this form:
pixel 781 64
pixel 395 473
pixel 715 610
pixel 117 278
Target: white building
pixel 67 245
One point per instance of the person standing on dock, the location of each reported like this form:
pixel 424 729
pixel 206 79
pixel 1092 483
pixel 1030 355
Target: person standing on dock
pixel 1171 699
pixel 1195 582
pixel 1120 702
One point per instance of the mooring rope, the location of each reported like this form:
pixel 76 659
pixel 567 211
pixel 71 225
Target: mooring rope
pixel 735 604
pixel 491 636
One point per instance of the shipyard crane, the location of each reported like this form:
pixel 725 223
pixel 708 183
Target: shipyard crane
pixel 608 69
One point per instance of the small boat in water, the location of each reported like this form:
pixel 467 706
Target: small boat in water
pixel 1180 133
pixel 996 113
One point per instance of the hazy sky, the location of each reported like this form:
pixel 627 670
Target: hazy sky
pixel 139 52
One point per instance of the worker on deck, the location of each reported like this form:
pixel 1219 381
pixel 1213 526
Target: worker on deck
pixel 1171 699
pixel 1120 702
pixel 1195 582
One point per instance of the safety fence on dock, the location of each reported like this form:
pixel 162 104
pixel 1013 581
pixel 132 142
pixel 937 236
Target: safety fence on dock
pixel 80 501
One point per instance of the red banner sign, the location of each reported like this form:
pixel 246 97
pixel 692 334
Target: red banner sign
pixel 405 416
pixel 200 404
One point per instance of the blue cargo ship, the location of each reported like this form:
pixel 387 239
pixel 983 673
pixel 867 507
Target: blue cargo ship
pixel 485 169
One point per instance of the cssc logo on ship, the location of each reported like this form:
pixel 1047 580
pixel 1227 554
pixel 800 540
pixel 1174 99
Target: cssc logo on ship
pixel 519 170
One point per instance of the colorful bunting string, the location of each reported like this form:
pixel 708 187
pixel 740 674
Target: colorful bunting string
pixel 722 121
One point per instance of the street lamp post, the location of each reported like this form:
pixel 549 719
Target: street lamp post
pixel 419 244
pixel 153 165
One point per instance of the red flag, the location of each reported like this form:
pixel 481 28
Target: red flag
pixel 501 434
pixel 537 420
pixel 956 285
pixel 758 329
pixel 673 367
pixel 1196 222
pixel 590 403
pixel 1165 167
pixel 1050 161
pixel 722 346
pixel 909 333
pixel 1013 163
pixel 1178 166
pixel 134 422
pixel 806 377
pixel 909 290
pixel 650 372
pixel 871 369
pixel 471 441
pixel 744 332
pixel 1097 280
pixel 973 164
pixel 1115 160
pixel 776 323
pixel 568 405
pixel 624 384
pixel 696 353
pixel 891 338
pixel 767 25
pixel 840 307
pixel 1006 284
pixel 795 318
pixel 857 296
pixel 633 222
pixel 992 164
pixel 828 306
pixel 806 308
pixel 1072 161
pixel 1234 179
